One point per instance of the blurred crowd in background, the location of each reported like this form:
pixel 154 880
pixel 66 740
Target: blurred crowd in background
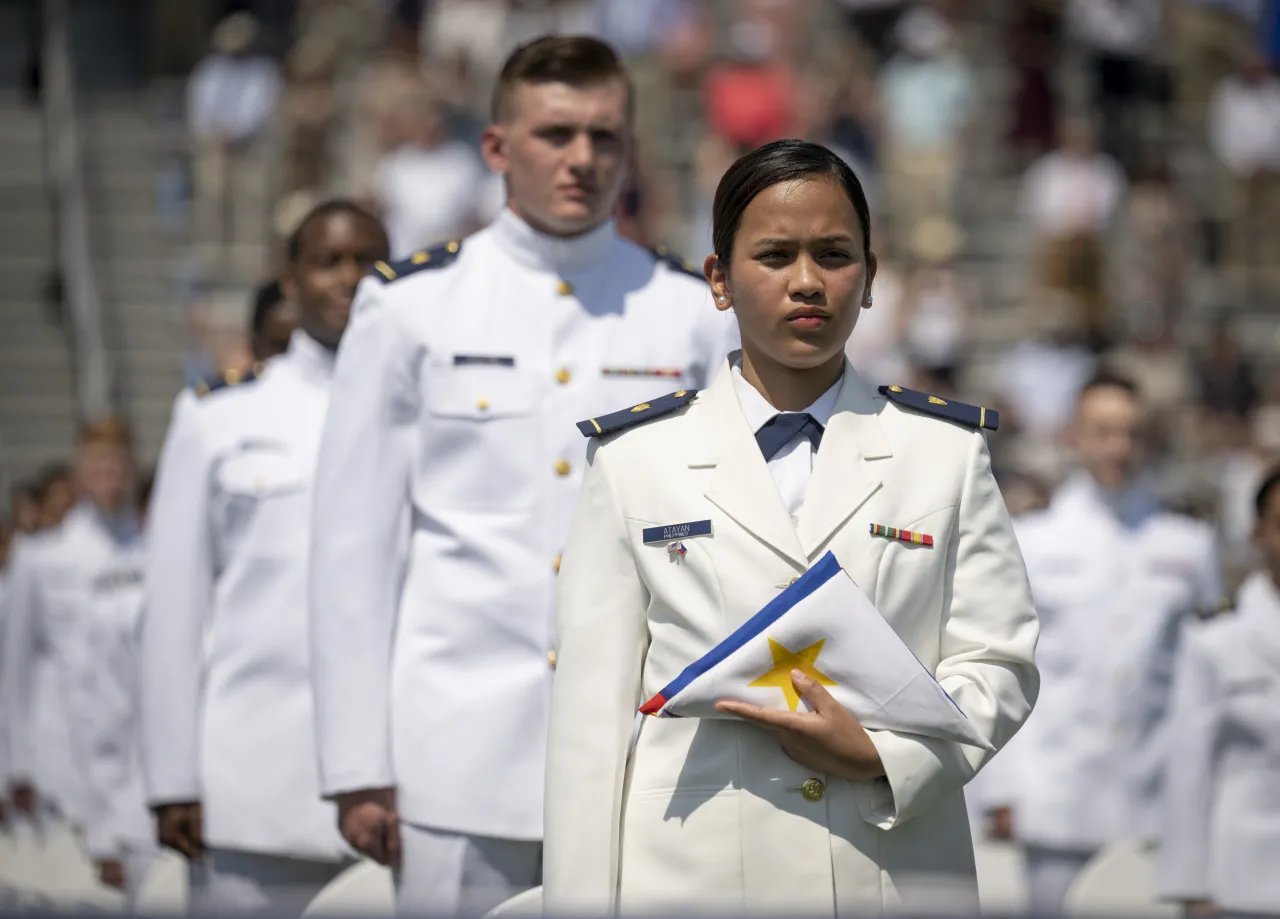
pixel 1058 184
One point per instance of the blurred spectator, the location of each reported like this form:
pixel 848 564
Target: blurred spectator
pixel 1069 197
pixel 1226 379
pixel 1039 378
pixel 876 349
pixel 1158 241
pixel 1119 37
pixel 1153 358
pixel 926 100
pixel 936 303
pixel 1033 52
pixel 383 87
pixel 1211 37
pixel 1244 132
pixel 273 320
pixel 308 107
pixel 430 187
pixel 230 100
pixel 751 97
pixel 874 22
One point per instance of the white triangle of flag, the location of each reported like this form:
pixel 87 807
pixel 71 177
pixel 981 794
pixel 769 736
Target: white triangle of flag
pixel 825 626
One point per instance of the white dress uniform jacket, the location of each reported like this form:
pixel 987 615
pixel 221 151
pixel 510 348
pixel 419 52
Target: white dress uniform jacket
pixel 226 693
pixel 456 394
pixel 712 814
pixel 1221 839
pixel 60 582
pixel 1115 585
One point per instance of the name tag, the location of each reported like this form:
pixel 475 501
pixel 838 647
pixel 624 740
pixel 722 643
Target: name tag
pixel 677 531
pixel 483 360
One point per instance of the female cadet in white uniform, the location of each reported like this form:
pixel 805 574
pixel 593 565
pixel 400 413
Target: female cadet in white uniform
pixel 1221 841
pixel 803 813
pixel 228 742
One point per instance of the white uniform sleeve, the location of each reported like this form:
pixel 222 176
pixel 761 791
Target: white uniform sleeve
pixel 602 635
pixel 989 633
pixel 178 606
pixel 1183 870
pixel 358 544
pixel 17 674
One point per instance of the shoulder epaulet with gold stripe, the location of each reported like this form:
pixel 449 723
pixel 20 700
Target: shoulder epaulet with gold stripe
pixel 436 257
pixel 1224 607
pixel 645 411
pixel 676 263
pixel 226 379
pixel 975 416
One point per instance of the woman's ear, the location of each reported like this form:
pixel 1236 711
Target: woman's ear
pixel 718 280
pixel 873 265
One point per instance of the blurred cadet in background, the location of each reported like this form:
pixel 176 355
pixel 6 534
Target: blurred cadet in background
pixel 1221 842
pixel 57 493
pixel 57 581
pixel 456 393
pixel 1116 581
pixel 103 713
pixel 228 744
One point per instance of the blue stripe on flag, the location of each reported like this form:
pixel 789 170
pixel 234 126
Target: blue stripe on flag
pixel 826 568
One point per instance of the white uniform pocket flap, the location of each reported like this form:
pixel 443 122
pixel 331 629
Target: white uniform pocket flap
pixel 261 470
pixel 479 392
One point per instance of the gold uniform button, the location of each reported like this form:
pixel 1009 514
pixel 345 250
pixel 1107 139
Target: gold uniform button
pixel 813 789
pixel 551 659
pixel 563 375
pixel 562 467
pixel 555 564
pixel 483 404
pixel 564 289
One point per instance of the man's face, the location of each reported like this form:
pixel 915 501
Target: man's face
pixel 565 152
pixel 335 252
pixel 1107 435
pixel 105 474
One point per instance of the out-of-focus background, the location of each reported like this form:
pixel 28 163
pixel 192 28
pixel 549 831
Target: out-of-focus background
pixel 1055 182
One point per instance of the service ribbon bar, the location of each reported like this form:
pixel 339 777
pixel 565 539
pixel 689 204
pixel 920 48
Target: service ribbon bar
pixel 919 539
pixel 641 372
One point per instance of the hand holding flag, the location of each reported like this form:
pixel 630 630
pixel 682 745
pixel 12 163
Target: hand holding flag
pixel 828 738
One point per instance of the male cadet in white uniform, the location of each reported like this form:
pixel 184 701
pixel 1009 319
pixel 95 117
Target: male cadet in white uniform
pixel 456 395
pixel 60 580
pixel 228 743
pixel 103 712
pixel 1221 842
pixel 1116 581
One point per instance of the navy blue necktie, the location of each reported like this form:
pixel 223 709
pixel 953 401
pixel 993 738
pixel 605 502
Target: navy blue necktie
pixel 779 430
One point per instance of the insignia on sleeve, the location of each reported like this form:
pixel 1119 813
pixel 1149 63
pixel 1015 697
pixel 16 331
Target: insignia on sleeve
pixel 676 263
pixel 975 416
pixel 437 257
pixel 227 378
pixel 645 411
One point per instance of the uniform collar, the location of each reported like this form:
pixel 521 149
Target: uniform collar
pixel 759 411
pixel 121 526
pixel 557 254
pixel 311 357
pixel 1130 508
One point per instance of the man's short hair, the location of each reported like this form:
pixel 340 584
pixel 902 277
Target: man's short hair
pixel 578 60
pixel 111 431
pixel 1109 379
pixel 1269 485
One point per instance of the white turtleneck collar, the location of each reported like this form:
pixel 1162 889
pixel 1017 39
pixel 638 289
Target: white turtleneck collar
pixel 556 254
pixel 122 525
pixel 311 357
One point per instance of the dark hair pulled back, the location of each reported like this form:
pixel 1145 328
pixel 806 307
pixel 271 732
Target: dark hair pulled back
pixel 775 163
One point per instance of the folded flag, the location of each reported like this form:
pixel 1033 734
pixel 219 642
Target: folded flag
pixel 824 626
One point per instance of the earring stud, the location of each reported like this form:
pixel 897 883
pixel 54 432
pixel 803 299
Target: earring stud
pixel 870 299
pixel 722 298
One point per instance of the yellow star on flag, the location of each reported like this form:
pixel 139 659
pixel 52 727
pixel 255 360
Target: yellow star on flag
pixel 786 660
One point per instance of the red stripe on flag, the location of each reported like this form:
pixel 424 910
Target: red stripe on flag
pixel 654 705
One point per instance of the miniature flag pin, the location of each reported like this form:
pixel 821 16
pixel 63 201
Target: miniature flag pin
pixel 677 548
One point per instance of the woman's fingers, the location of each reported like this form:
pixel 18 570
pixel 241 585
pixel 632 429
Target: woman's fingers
pixel 813 692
